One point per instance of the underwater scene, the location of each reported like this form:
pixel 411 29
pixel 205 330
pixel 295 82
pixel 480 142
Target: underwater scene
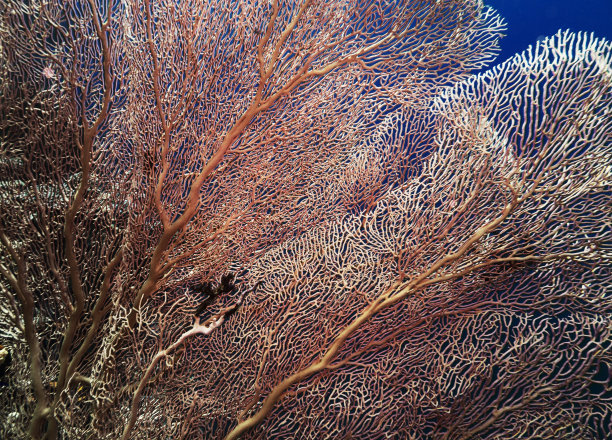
pixel 305 219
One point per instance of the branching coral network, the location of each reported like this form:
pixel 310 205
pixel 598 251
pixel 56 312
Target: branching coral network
pixel 301 219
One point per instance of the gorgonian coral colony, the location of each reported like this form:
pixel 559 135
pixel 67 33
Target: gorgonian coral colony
pixel 300 219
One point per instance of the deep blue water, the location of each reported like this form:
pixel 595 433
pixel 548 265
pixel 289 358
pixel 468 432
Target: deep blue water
pixel 530 20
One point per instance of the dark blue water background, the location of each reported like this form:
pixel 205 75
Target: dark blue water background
pixel 531 20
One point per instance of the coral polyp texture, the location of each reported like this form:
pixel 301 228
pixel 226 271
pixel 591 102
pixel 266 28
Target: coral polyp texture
pixel 301 219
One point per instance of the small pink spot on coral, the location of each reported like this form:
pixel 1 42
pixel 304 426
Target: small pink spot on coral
pixel 48 72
